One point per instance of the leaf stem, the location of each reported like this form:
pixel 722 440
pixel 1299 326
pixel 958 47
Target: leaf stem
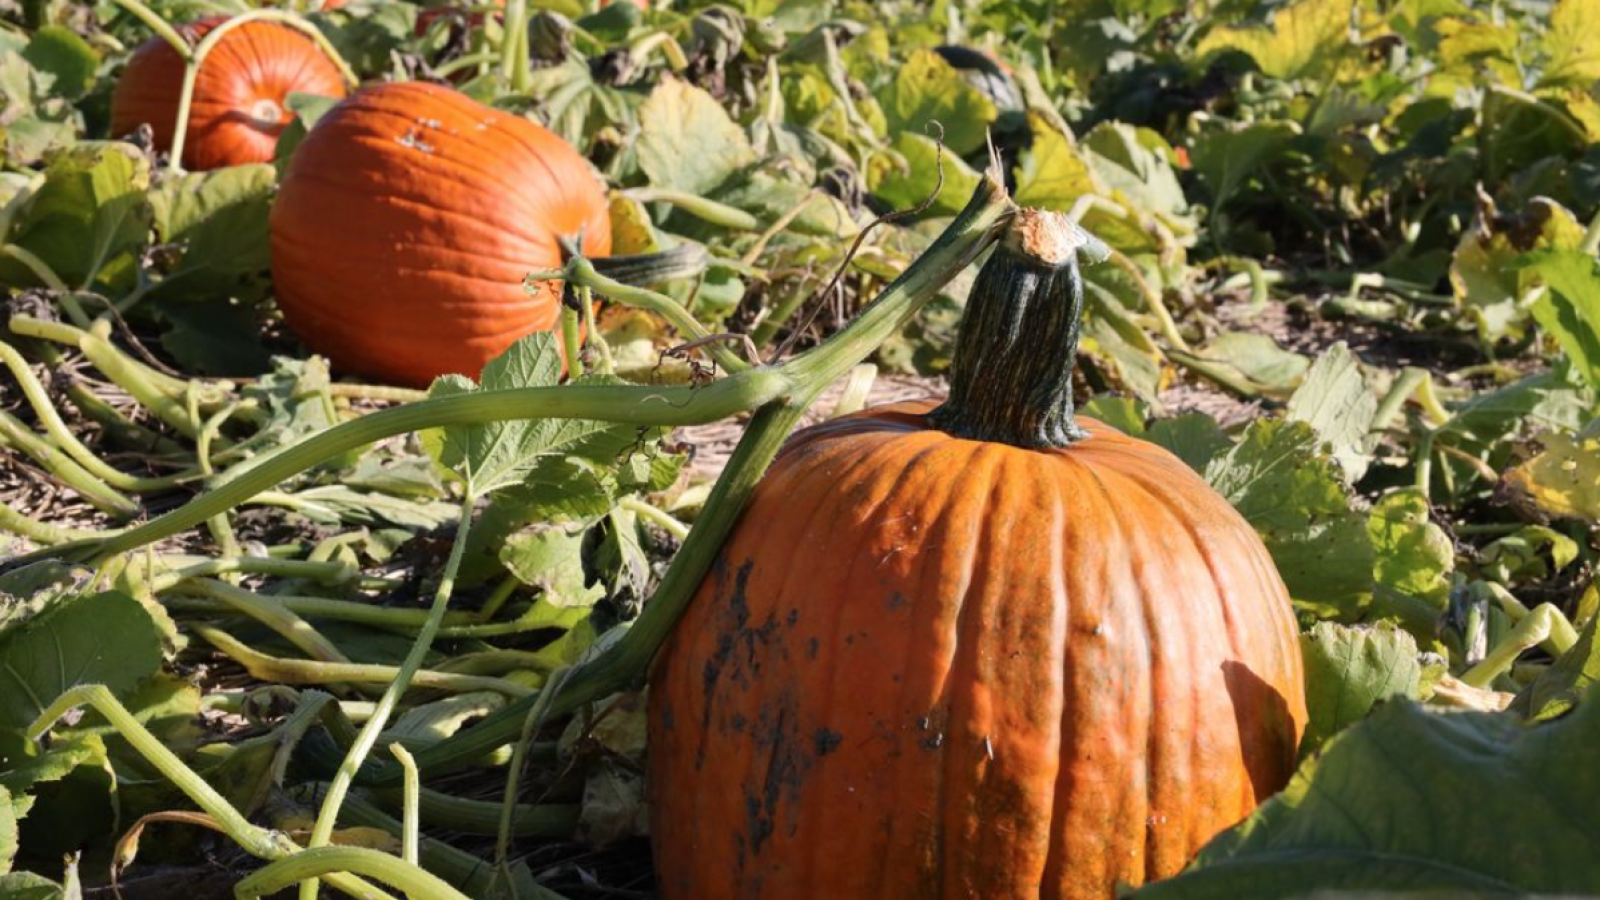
pixel 322 832
pixel 695 205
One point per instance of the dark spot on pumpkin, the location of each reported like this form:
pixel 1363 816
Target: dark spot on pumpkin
pixel 897 601
pixel 668 720
pixel 813 646
pixel 827 741
pixel 739 722
pixel 735 616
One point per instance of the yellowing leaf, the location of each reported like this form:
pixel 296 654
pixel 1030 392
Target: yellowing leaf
pixel 687 141
pixel 1573 43
pixel 929 89
pixel 1564 480
pixel 1485 273
pixel 1052 174
pixel 1306 40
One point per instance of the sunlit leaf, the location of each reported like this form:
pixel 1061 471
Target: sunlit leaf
pixel 928 89
pixel 687 141
pixel 1349 670
pixel 1572 44
pixel 1305 40
pixel 1335 400
pixel 1296 499
pixel 65 647
pixel 1563 479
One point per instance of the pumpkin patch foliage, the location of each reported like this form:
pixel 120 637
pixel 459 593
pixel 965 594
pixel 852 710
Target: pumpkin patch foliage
pixel 1021 449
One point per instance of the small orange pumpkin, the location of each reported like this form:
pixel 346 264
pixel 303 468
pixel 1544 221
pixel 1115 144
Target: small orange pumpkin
pixel 979 650
pixel 238 107
pixel 405 225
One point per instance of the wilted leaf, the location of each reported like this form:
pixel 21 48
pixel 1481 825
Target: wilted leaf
pixel 1334 399
pixel 1349 670
pixel 1484 272
pixel 1564 479
pixel 1295 497
pixel 67 646
pixel 927 89
pixel 687 141
pixel 613 805
pixel 1412 799
pixel 1305 40
pixel 1247 363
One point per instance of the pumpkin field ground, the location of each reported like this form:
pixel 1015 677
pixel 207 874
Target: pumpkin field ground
pixel 383 381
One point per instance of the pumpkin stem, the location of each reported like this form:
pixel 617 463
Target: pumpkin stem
pixel 1011 379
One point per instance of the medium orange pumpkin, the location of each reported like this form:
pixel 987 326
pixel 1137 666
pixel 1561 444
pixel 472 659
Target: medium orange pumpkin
pixel 405 225
pixel 973 651
pixel 238 107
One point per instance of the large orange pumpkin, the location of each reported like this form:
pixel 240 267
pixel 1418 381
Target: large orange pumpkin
pixel 238 107
pixel 405 225
pixel 973 651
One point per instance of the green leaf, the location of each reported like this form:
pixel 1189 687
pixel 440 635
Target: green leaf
pixel 90 216
pixel 67 646
pixel 1564 685
pixel 219 338
pixel 63 797
pixel 1335 400
pixel 1413 555
pixel 307 109
pixel 501 454
pixel 551 557
pixel 1225 159
pixel 1195 438
pixel 29 590
pixel 908 181
pixel 66 57
pixel 1412 799
pixel 1349 670
pixel 1572 44
pixel 1125 414
pixel 687 141
pixel 1570 308
pixel 1296 499
pixel 220 220
pixel 928 89
pixel 1307 39
pixel 8 834
pixel 1134 167
pixel 28 886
